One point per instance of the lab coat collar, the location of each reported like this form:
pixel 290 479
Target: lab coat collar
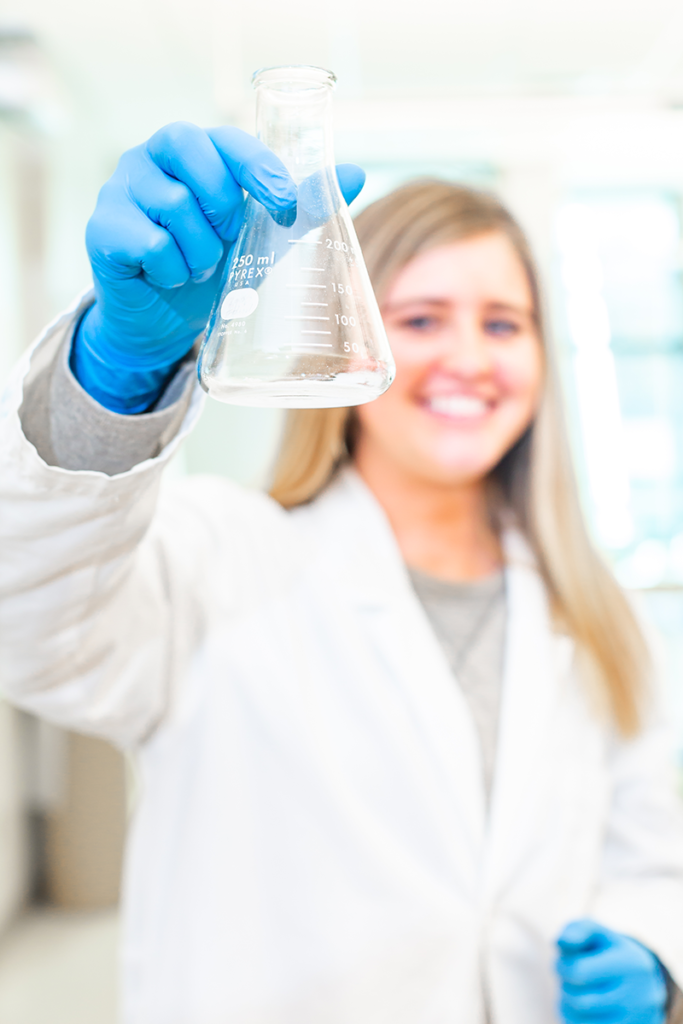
pixel 350 510
pixel 369 563
pixel 376 573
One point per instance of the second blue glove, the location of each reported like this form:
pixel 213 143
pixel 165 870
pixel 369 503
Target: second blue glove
pixel 607 978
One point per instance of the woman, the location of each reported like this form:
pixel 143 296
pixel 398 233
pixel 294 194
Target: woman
pixel 395 722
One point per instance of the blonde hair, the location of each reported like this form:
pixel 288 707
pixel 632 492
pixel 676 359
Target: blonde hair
pixel 534 480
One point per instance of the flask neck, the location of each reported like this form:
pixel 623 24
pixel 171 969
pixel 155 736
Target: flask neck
pixel 296 123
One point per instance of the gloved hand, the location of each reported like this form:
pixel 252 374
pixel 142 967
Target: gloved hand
pixel 607 977
pixel 158 241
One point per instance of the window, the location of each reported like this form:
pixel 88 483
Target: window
pixel 620 270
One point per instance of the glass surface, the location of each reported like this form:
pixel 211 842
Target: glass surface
pixel 296 324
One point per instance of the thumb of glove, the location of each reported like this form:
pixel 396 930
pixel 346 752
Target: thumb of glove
pixel 582 936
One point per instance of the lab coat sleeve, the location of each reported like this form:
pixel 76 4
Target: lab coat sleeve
pixel 103 588
pixel 641 887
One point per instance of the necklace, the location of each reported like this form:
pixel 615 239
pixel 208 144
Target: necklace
pixel 476 630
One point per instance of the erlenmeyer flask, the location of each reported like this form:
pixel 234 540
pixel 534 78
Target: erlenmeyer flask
pixel 296 323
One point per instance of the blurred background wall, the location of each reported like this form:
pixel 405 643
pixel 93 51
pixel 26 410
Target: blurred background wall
pixel 572 112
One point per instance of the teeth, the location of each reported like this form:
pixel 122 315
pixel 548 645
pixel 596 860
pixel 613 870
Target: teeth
pixel 464 406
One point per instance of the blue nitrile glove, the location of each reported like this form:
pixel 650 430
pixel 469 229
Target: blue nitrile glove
pixel 157 242
pixel 607 977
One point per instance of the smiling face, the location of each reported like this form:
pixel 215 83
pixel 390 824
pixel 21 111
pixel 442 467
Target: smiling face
pixel 469 363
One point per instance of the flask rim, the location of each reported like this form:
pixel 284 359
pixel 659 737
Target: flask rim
pixel 297 74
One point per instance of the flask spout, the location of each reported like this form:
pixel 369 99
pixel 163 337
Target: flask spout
pixel 294 116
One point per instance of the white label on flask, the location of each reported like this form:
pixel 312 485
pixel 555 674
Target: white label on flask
pixel 239 303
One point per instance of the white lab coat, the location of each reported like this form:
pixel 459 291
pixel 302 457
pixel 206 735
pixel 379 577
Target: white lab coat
pixel 312 845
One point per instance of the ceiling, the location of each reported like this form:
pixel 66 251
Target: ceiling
pixel 122 63
pixel 589 91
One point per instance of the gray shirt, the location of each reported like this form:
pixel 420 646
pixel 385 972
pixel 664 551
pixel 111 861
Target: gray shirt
pixel 469 620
